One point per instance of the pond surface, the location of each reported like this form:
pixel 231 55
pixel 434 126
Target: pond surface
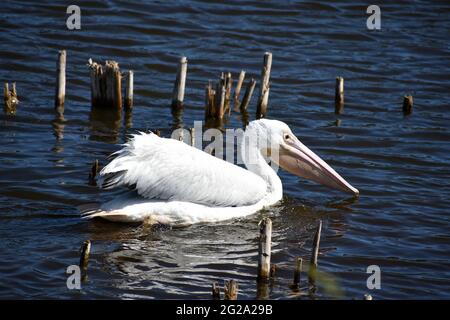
pixel 400 164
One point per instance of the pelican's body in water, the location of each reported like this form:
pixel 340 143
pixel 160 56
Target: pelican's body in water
pixel 177 184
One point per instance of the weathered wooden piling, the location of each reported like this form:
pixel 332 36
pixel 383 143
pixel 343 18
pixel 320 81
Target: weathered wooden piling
pixel 263 100
pixel 129 90
pixel 192 133
pixel 298 272
pixel 237 91
pixel 248 94
pixel 313 264
pixel 231 290
pixel 228 83
pixel 106 84
pixel 264 248
pixel 210 101
pixel 84 257
pixel 93 173
pixel 10 97
pixel 180 84
pixel 339 96
pixel 407 104
pixel 215 291
pixel 60 93
pixel 220 98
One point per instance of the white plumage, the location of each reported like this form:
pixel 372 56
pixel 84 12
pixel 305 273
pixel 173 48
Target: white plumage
pixel 177 184
pixel 170 170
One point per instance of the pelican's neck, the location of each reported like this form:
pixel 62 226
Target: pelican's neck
pixel 256 163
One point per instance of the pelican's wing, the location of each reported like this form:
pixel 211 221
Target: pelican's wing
pixel 168 169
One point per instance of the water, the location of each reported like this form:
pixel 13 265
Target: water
pixel 400 164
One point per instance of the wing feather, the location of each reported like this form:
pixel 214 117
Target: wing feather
pixel 167 169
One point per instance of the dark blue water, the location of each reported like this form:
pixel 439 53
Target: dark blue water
pixel 401 164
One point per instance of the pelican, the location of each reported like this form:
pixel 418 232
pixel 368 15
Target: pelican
pixel 177 184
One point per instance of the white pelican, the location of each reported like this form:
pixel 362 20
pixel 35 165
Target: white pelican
pixel 178 184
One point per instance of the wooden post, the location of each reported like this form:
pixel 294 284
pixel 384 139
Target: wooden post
pixel 237 91
pixel 61 80
pixel 180 83
pixel 248 94
pixel 298 271
pixel 228 85
pixel 339 96
pixel 129 91
pixel 84 257
pixel 192 132
pixel 93 173
pixel 263 100
pixel 215 291
pixel 210 98
pixel 315 254
pixel 106 85
pixel 220 98
pixel 230 290
pixel 264 248
pixel 407 104
pixel 10 97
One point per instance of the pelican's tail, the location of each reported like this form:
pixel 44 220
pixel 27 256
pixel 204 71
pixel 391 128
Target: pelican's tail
pixel 94 210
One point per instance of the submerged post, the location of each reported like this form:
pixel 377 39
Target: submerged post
pixel 339 96
pixel 129 91
pixel 407 104
pixel 298 271
pixel 230 290
pixel 263 100
pixel 84 257
pixel 180 83
pixel 61 79
pixel 237 91
pixel 264 248
pixel 248 94
pixel 315 254
pixel 10 97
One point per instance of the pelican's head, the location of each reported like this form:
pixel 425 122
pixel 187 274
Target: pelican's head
pixel 276 141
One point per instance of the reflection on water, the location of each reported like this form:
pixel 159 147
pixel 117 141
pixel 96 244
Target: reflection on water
pixel 400 164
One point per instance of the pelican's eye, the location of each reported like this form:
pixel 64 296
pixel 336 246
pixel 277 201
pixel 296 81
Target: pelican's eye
pixel 286 137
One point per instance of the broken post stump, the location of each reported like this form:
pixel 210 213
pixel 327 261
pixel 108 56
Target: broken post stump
pixel 220 98
pixel 230 290
pixel 84 257
pixel 129 90
pixel 60 80
pixel 298 271
pixel 264 248
pixel 93 173
pixel 237 91
pixel 228 83
pixel 407 104
pixel 248 94
pixel 210 98
pixel 339 96
pixel 215 291
pixel 10 97
pixel 263 100
pixel 180 83
pixel 106 84
pixel 313 264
